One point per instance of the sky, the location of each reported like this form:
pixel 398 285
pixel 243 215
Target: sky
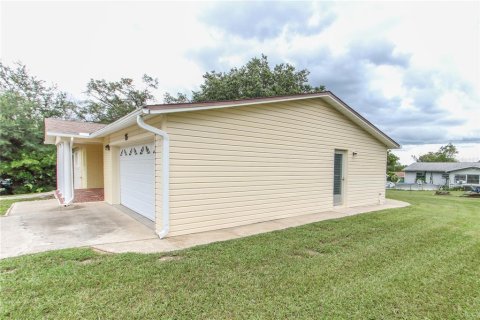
pixel 411 68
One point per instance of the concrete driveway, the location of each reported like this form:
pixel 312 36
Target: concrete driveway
pixel 43 225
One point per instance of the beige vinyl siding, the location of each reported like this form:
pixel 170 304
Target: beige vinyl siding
pixel 135 134
pixel 236 166
pixel 111 174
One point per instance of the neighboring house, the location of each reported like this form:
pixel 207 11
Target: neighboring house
pixel 203 166
pixel 401 176
pixel 444 173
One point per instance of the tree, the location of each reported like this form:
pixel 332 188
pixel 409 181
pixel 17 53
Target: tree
pixel 24 102
pixel 253 80
pixel 444 154
pixel 393 166
pixel 180 98
pixel 47 101
pixel 109 101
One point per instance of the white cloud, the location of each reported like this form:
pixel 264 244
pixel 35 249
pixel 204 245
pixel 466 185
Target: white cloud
pixel 71 42
pixel 412 68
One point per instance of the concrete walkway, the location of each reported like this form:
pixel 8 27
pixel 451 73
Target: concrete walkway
pixel 38 226
pixel 28 196
pixel 190 240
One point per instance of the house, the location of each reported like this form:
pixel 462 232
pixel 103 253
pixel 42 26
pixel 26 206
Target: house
pixel 196 167
pixel 401 176
pixel 444 173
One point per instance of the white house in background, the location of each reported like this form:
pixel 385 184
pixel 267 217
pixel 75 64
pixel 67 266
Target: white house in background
pixel 444 173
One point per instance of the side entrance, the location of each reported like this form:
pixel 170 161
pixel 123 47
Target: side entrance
pixel 339 178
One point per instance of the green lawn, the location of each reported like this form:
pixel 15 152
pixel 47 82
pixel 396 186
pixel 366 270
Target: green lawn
pixel 422 261
pixel 6 203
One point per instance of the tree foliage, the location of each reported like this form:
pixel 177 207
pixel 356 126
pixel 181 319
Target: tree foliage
pixel 253 80
pixel 46 101
pixel 393 166
pixel 24 102
pixel 444 154
pixel 109 101
pixel 180 98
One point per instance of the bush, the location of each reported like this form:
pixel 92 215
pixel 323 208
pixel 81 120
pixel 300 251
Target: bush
pixel 34 172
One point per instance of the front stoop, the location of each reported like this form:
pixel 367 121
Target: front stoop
pixel 89 195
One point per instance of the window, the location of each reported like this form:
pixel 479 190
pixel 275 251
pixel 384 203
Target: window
pixel 460 178
pixel 473 178
pixel 420 176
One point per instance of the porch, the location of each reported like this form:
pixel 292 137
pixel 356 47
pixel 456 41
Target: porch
pixel 88 195
pixel 79 171
pixel 83 195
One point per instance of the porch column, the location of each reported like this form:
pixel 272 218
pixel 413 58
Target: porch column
pixel 60 174
pixel 67 192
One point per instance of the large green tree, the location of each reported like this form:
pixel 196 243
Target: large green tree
pixel 110 100
pixel 255 79
pixel 24 103
pixel 444 154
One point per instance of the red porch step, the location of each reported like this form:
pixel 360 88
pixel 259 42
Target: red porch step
pixel 89 195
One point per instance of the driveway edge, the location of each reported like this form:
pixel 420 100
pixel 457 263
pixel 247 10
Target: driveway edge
pixel 9 209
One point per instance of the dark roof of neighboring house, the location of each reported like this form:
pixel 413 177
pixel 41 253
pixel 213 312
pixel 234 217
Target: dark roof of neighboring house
pixel 70 126
pixel 441 166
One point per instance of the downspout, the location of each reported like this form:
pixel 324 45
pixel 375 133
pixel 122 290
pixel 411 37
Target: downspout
pixel 72 189
pixel 165 174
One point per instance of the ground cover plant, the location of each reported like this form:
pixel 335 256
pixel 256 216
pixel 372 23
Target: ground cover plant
pixel 418 262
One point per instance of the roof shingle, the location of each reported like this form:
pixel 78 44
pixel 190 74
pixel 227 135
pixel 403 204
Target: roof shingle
pixel 441 166
pixel 71 127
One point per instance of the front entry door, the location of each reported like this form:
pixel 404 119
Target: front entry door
pixel 338 178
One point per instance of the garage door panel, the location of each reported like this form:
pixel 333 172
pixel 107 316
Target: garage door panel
pixel 137 179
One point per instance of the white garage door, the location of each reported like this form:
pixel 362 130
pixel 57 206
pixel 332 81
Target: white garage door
pixel 137 179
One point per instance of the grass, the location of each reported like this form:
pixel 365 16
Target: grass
pixel 5 204
pixel 419 262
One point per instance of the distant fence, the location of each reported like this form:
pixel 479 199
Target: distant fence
pixel 416 186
